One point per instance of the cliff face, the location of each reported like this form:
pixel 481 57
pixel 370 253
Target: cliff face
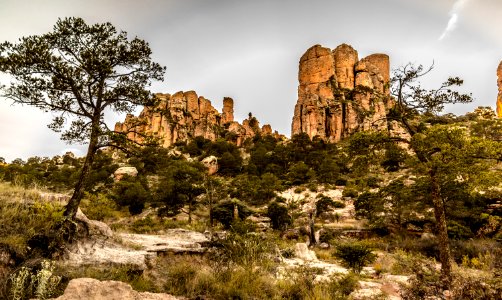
pixel 499 83
pixel 184 116
pixel 338 94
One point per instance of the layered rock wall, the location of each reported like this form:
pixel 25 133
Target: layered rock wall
pixel 184 116
pixel 499 97
pixel 338 94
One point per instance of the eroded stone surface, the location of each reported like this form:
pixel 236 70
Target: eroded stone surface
pixel 184 116
pixel 103 248
pixel 93 289
pixel 123 171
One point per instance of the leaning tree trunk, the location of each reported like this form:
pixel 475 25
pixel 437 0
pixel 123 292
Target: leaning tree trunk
pixel 444 246
pixel 78 192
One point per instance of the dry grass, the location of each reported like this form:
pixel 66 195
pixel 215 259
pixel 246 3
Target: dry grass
pixel 22 215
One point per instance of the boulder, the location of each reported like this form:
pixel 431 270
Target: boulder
pixel 211 163
pixel 94 228
pixel 302 252
pixel 137 251
pixel 93 289
pixel 123 171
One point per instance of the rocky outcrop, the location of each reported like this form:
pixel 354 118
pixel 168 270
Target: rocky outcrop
pixel 93 289
pixel 102 247
pixel 183 116
pixel 211 163
pixel 338 94
pixel 124 171
pixel 499 97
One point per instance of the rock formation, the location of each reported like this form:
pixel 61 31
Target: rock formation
pixel 499 83
pixel 93 289
pixel 184 116
pixel 124 171
pixel 338 94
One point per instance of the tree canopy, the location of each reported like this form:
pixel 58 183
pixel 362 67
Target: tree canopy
pixel 78 72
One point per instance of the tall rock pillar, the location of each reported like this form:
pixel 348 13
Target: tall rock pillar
pixel 227 114
pixel 338 94
pixel 499 97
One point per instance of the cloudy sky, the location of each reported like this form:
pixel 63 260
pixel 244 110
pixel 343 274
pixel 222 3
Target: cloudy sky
pixel 249 50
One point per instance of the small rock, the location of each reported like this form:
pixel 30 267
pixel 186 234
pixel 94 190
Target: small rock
pixel 324 246
pixel 303 252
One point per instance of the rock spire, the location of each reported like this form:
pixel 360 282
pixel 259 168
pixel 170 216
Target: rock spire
pixel 183 116
pixel 338 94
pixel 499 97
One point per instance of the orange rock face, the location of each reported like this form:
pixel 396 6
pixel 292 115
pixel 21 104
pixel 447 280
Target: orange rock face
pixel 338 94
pixel 499 98
pixel 184 116
pixel 227 115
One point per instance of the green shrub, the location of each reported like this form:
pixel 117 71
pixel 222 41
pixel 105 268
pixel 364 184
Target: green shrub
pixel 324 203
pixel 22 221
pixel 223 212
pixel 131 193
pixel 349 192
pixel 341 287
pixel 100 207
pixel 246 250
pixel 341 182
pixel 128 274
pixel 154 224
pixel 355 255
pixel 38 281
pixel 425 283
pixel 299 190
pixel 278 214
pixel 326 235
pixel 458 231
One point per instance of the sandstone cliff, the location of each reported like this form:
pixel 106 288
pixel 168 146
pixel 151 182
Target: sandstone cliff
pixel 338 94
pixel 499 83
pixel 184 116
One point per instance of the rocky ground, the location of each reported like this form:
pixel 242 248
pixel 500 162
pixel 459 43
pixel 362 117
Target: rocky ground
pixel 104 247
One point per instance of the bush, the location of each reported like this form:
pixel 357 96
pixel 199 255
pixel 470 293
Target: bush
pixel 426 283
pixel 99 207
pixel 38 281
pixel 246 250
pixel 278 214
pixel 349 192
pixel 131 193
pixel 223 212
pixel 301 283
pixel 22 221
pixel 154 224
pixel 324 203
pixel 326 235
pixel 355 255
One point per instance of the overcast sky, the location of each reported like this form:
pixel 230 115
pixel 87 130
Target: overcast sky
pixel 249 50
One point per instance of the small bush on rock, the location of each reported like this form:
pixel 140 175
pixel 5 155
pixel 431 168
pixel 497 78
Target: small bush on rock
pixel 355 255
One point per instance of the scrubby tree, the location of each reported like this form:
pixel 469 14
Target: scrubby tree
pixel 79 72
pixel 131 192
pixel 442 152
pixel 179 186
pixel 278 214
pixel 228 211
